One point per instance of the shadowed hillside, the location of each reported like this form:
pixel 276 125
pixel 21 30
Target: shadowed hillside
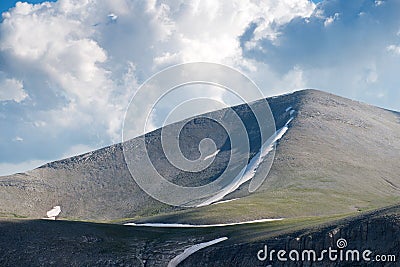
pixel 62 243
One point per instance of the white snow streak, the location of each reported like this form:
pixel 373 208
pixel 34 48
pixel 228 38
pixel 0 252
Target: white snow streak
pixel 225 201
pixel 212 155
pixel 189 251
pixel 179 225
pixel 250 170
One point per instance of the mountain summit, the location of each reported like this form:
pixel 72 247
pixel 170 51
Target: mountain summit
pixel 336 156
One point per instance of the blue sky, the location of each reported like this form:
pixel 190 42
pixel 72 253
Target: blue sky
pixel 69 68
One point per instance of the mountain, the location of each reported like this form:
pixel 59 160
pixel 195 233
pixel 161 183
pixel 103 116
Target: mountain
pixel 338 156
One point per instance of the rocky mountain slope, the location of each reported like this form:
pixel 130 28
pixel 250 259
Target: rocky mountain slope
pixel 338 156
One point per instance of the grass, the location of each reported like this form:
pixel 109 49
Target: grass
pixel 12 215
pixel 292 202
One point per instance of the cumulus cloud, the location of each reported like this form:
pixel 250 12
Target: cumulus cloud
pixel 18 139
pixel 353 40
pixel 328 21
pixel 394 48
pixel 11 89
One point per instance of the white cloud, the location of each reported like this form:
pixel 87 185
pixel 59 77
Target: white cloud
pixel 276 13
pixel 18 139
pixel 394 49
pixel 11 89
pixel 356 58
pixel 328 21
pixel 58 57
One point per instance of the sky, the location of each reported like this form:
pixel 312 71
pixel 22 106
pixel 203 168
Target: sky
pixel 68 68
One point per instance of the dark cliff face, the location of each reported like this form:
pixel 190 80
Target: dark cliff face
pixel 378 232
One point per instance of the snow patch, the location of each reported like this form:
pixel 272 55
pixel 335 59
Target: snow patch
pixel 225 201
pixel 179 225
pixel 193 249
pixel 212 155
pixel 49 218
pixel 53 213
